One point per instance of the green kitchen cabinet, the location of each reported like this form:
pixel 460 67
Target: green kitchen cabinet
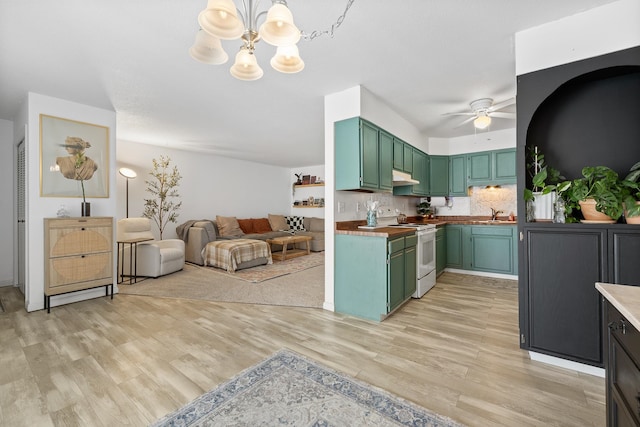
pixel 458 175
pixel 453 238
pixel 364 160
pixel 438 175
pixel 492 248
pixel 373 275
pixel 402 156
pixel 419 172
pixel 441 250
pixel 491 167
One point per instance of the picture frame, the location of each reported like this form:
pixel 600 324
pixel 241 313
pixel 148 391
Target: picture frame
pixel 73 154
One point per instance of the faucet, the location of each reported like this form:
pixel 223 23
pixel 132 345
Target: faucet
pixel 494 214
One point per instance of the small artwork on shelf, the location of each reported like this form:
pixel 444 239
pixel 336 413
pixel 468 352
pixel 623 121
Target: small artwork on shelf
pixel 306 179
pixel 312 180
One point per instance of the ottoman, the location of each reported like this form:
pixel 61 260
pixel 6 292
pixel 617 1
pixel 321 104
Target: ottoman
pixel 236 254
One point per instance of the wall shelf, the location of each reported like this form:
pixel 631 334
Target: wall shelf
pixel 307 206
pixel 308 185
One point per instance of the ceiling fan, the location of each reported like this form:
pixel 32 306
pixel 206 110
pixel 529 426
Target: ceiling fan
pixel 483 110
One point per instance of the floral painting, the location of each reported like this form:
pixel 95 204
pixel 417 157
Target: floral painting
pixel 74 158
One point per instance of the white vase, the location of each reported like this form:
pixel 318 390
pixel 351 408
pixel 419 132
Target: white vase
pixel 543 205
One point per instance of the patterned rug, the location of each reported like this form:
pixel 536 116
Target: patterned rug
pixel 277 269
pixel 290 390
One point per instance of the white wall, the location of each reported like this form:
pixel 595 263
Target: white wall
pixel 7 185
pixel 598 31
pixel 211 185
pixel 39 208
pixel 482 141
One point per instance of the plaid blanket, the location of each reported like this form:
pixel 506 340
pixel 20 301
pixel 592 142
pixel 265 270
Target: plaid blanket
pixel 227 254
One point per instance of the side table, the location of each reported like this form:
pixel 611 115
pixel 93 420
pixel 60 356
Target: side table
pixel 133 258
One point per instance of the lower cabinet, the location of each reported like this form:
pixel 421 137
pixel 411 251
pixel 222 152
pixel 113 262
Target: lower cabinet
pixel 373 275
pixel 488 248
pixel 441 250
pixel 622 370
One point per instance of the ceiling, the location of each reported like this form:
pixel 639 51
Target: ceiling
pixel 423 58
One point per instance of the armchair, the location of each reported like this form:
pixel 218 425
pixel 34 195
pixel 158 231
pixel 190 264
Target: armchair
pixel 155 257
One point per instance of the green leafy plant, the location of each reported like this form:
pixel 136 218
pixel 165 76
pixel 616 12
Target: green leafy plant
pixel 632 183
pixel 599 183
pixel 424 208
pixel 80 158
pixel 543 177
pixel 161 207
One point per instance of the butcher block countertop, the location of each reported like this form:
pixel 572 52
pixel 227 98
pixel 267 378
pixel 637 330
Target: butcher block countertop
pixel 351 227
pixel 626 299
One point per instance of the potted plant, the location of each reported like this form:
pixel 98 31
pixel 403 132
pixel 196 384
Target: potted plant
pixel 599 195
pixel 632 199
pixel 424 209
pixel 540 198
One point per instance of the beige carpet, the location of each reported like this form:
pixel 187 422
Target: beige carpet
pixel 299 287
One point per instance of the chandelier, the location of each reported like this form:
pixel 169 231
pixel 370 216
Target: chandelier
pixel 221 20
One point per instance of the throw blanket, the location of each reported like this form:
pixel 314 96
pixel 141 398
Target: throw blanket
pixel 228 254
pixel 183 229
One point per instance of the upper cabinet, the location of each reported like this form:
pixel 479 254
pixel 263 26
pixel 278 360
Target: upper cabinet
pixel 364 156
pixel 458 175
pixel 419 172
pixel 492 167
pixel 438 175
pixel 402 156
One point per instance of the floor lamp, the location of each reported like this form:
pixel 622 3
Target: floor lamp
pixel 128 174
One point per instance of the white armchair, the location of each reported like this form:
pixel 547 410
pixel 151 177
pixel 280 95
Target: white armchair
pixel 155 257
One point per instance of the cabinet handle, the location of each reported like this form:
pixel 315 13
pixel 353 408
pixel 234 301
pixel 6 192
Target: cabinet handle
pixel 623 326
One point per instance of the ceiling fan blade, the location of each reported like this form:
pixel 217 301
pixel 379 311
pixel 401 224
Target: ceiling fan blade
pixel 466 121
pixel 503 115
pixel 459 114
pixel 503 104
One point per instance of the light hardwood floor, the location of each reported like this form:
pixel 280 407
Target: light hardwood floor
pixel 132 360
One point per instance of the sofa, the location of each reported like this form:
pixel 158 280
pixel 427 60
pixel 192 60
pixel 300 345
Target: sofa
pixel 197 233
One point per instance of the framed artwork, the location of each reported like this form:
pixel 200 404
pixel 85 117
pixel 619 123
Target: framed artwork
pixel 74 157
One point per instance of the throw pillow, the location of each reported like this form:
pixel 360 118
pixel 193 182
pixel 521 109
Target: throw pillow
pixel 246 225
pixel 278 223
pixel 228 226
pixel 261 225
pixel 296 223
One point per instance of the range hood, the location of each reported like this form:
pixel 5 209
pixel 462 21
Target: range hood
pixel 402 178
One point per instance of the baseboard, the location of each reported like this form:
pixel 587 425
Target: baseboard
pixel 328 306
pixel 7 282
pixel 567 364
pixel 482 273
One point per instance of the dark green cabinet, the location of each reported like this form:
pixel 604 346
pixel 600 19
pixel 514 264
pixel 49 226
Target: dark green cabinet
pixel 458 175
pixel 373 275
pixel 364 156
pixel 441 250
pixel 438 175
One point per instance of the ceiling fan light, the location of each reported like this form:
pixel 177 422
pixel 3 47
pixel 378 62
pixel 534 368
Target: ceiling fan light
pixel 246 66
pixel 208 49
pixel 220 19
pixel 279 29
pixel 482 122
pixel 287 60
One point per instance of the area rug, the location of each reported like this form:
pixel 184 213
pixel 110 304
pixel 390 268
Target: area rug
pixel 290 390
pixel 299 288
pixel 277 269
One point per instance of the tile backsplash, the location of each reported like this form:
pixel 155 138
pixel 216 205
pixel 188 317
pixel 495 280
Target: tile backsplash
pixel 481 200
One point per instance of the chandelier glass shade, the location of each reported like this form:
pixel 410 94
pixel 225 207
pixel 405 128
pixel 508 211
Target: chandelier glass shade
pixel 482 121
pixel 221 20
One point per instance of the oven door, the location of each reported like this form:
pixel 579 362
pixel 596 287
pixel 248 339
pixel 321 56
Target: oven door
pixel 426 252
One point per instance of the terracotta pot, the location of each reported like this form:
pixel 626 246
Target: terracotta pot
pixel 588 207
pixel 633 219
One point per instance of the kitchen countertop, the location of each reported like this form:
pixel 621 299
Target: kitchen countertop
pixel 625 298
pixel 351 227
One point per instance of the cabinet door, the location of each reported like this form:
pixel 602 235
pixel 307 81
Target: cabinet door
pixel 398 154
pixel 564 309
pixel 454 246
pixel 408 158
pixel 479 168
pixel 438 175
pixel 504 166
pixel 369 166
pixel 410 272
pixel 492 249
pixel 396 279
pixel 624 247
pixel 421 173
pixel 441 250
pixel 385 167
pixel 458 175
